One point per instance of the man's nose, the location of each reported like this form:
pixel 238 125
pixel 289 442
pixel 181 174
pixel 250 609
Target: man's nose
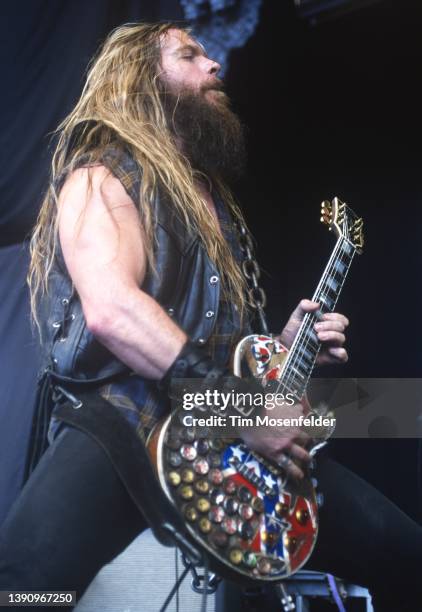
pixel 214 67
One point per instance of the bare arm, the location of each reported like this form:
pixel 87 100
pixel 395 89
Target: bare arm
pixel 102 242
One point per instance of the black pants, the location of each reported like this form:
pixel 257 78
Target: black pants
pixel 74 516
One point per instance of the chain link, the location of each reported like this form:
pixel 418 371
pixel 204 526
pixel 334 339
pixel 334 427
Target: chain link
pixel 200 583
pixel 250 268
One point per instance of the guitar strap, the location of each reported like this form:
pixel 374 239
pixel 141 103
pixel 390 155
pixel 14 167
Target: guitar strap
pixel 95 416
pixel 38 441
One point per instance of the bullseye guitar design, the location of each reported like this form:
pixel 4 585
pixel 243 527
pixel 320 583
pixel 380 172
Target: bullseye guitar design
pixel 251 519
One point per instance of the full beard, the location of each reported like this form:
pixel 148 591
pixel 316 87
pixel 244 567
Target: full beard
pixel 209 133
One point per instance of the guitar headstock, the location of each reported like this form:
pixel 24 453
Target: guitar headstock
pixel 345 223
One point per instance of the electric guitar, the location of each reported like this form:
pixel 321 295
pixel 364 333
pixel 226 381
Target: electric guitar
pixel 253 520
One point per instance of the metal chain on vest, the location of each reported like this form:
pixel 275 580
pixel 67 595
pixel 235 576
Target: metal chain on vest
pixel 252 272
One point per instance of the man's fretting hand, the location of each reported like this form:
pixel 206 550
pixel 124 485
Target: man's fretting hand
pixel 330 331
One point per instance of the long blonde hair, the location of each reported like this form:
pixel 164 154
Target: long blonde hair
pixel 121 102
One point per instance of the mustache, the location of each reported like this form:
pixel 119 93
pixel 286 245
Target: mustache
pixel 215 84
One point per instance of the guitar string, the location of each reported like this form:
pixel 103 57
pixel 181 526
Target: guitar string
pixel 299 346
pixel 307 330
pixel 292 379
pixel 305 325
pixel 309 319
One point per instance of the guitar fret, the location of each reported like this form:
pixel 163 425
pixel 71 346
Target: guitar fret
pixel 302 368
pixel 304 364
pixel 296 371
pixel 301 386
pixel 324 300
pixel 312 340
pixel 330 292
pixel 296 382
pixel 288 389
pixel 347 249
pixel 306 353
pixel 345 261
pixel 307 358
pixel 338 277
pixel 332 283
pixel 340 267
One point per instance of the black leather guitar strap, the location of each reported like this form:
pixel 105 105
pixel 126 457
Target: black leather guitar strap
pixel 100 420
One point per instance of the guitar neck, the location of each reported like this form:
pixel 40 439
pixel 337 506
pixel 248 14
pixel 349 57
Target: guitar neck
pixel 300 362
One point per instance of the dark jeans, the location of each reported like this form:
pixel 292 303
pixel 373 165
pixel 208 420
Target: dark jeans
pixel 74 516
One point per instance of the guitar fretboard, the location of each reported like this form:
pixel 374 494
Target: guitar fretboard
pixel 303 353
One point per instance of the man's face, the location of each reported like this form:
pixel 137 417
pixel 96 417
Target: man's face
pixel 186 67
pixel 210 135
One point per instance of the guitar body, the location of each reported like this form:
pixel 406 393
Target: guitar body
pixel 255 522
pixel 238 506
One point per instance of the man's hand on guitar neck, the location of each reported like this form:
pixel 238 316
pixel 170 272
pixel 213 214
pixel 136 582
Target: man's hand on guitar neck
pixel 287 445
pixel 330 331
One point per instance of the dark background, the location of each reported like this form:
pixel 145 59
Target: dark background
pixel 335 110
pixel 332 109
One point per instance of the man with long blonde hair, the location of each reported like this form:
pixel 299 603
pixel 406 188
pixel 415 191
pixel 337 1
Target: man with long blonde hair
pixel 135 280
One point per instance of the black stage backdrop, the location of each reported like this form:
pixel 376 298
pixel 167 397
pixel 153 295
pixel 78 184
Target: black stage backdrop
pixel 331 110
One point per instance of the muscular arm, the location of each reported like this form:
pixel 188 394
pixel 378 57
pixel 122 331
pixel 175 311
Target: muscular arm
pixel 102 242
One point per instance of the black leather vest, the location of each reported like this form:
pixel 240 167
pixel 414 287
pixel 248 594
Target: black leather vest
pixel 186 284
